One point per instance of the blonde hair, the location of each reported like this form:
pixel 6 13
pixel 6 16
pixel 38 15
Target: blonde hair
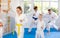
pixel 41 14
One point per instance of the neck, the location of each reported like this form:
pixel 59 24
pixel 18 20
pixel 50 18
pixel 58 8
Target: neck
pixel 19 14
pixel 35 11
pixel 40 19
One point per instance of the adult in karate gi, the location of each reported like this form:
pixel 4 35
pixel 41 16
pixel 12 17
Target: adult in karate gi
pixel 58 22
pixel 40 27
pixel 50 20
pixel 20 22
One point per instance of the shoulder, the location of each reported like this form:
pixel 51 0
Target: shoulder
pixel 53 13
pixel 23 15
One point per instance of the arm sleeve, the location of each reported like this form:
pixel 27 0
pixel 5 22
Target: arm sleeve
pixel 25 19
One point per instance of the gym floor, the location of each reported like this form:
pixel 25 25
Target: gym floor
pixel 53 34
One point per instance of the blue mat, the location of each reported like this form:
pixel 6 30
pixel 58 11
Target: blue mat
pixel 53 34
pixel 10 35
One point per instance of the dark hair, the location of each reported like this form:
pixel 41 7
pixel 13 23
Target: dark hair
pixel 19 8
pixel 0 5
pixel 35 7
pixel 49 9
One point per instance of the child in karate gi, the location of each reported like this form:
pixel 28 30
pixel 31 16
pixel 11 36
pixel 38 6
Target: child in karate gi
pixel 36 13
pixel 34 17
pixel 1 28
pixel 40 27
pixel 20 21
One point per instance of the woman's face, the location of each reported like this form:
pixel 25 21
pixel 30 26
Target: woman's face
pixel 18 11
pixel 40 16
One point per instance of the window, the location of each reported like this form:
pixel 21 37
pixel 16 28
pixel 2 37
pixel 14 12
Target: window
pixel 54 5
pixel 37 0
pixel 27 0
pixel 43 5
pixel 45 0
pixel 27 7
pixel 38 4
pixel 54 0
pixel 4 4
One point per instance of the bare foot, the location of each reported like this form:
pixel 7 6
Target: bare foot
pixel 48 33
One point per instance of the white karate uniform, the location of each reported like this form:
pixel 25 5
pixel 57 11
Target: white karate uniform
pixel 30 24
pixel 58 21
pixel 1 30
pixel 35 15
pixel 4 18
pixel 50 20
pixel 18 18
pixel 40 30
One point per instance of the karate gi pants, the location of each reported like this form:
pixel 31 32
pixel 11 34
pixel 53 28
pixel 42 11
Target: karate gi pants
pixel 20 31
pixel 39 33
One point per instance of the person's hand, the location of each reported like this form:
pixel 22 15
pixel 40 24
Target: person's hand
pixel 42 27
pixel 21 20
pixel 5 11
pixel 1 24
pixel 33 21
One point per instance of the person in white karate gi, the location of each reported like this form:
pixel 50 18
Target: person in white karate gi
pixel 21 20
pixel 50 20
pixel 36 13
pixel 40 27
pixel 34 17
pixel 1 28
pixel 1 24
pixel 57 22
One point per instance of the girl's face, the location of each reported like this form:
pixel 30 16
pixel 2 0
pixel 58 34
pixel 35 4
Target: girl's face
pixel 40 16
pixel 18 11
